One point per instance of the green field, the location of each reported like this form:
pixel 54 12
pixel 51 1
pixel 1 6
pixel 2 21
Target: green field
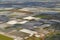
pixel 41 16
pixel 2 37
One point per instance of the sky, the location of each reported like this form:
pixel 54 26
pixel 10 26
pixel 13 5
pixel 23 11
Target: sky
pixel 30 0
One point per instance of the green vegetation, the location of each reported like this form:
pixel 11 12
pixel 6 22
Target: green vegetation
pixel 53 37
pixel 41 16
pixel 3 10
pixel 7 27
pixel 2 37
pixel 44 16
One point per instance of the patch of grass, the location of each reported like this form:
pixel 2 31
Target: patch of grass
pixel 2 37
pixel 7 27
pixel 53 37
pixel 41 16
